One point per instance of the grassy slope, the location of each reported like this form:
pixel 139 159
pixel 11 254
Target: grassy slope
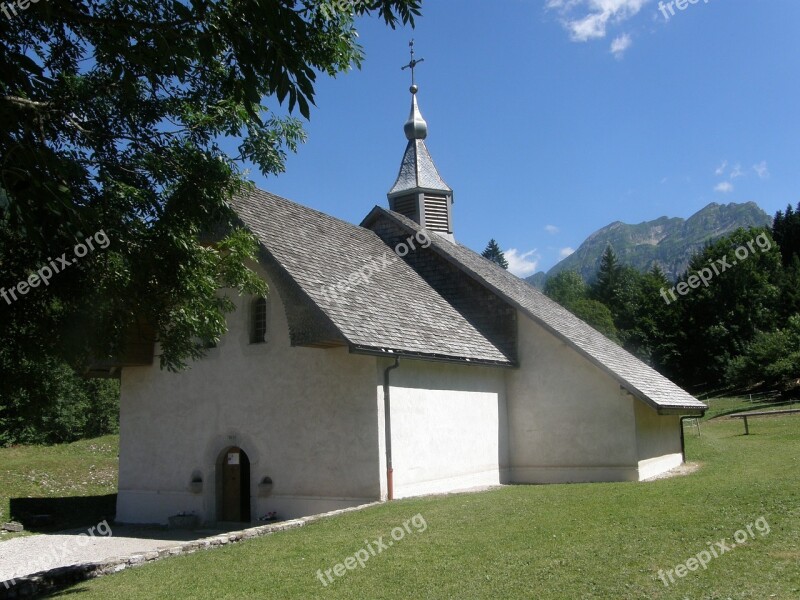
pixel 84 468
pixel 718 407
pixel 558 541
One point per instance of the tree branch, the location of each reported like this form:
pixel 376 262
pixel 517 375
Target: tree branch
pixel 26 103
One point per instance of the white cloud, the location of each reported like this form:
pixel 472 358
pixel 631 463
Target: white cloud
pixel 565 252
pixel 761 170
pixel 620 45
pixel 724 188
pixel 551 229
pixel 737 171
pixel 720 171
pixel 522 264
pixel 589 19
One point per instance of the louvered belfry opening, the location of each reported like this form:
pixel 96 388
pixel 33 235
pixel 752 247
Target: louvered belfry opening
pixel 437 213
pixel 407 206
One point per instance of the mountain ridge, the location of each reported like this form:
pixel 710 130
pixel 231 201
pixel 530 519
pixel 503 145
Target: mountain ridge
pixel 668 242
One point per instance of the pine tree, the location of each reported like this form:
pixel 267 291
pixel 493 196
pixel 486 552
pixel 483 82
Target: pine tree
pixel 786 232
pixel 494 254
pixel 605 287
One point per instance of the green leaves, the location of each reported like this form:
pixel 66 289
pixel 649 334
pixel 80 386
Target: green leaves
pixel 114 116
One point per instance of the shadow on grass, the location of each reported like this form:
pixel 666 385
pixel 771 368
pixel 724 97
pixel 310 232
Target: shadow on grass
pixel 64 593
pixel 755 405
pixel 45 515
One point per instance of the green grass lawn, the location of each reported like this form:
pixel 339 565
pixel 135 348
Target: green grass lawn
pixel 73 481
pixel 556 541
pixel 718 407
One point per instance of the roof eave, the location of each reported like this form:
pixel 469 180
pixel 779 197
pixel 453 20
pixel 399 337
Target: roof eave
pixel 664 409
pixel 429 357
pixel 684 411
pixel 393 193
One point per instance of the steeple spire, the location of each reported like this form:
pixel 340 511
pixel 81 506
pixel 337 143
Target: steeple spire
pixel 419 192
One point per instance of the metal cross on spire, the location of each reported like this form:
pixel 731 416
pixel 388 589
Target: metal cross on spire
pixel 412 65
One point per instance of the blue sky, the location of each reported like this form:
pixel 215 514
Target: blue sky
pixel 553 118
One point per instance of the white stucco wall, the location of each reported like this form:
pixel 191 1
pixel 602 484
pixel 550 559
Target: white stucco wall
pixel 307 418
pixel 449 426
pixel 568 420
pixel 312 421
pixel 658 441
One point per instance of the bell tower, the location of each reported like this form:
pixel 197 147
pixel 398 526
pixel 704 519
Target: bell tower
pixel 420 193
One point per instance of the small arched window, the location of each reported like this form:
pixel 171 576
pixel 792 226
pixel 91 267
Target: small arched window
pixel 258 327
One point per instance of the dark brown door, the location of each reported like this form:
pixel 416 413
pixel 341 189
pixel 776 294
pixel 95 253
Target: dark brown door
pixel 235 486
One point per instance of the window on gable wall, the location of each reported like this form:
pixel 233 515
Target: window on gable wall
pixel 258 323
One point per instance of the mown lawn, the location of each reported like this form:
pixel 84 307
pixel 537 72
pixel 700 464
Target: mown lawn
pixel 718 407
pixel 557 541
pixel 74 481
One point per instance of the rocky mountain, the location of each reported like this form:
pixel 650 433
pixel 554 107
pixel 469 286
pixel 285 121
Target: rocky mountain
pixel 667 241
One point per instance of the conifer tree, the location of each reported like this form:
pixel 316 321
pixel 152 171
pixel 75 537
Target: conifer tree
pixel 494 254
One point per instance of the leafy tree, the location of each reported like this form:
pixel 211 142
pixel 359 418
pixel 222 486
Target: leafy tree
pixel 45 402
pixel 570 291
pixel 772 359
pixel 566 287
pixel 597 315
pixel 494 254
pixel 116 117
pixel 721 319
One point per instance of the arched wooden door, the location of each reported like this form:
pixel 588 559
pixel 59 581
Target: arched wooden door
pixel 235 486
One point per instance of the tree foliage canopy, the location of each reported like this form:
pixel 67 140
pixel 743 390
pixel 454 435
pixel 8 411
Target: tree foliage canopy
pixel 735 329
pixel 116 116
pixel 570 290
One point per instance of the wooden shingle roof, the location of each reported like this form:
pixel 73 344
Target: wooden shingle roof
pixel 390 310
pixel 379 304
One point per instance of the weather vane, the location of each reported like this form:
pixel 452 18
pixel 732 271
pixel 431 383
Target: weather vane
pixel 412 65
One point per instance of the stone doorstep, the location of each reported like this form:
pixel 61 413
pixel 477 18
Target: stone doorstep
pixel 30 586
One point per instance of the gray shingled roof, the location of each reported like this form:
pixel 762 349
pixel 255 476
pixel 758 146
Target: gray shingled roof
pixel 417 171
pixel 634 375
pixel 394 311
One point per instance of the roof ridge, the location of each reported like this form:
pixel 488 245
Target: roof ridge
pixel 326 216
